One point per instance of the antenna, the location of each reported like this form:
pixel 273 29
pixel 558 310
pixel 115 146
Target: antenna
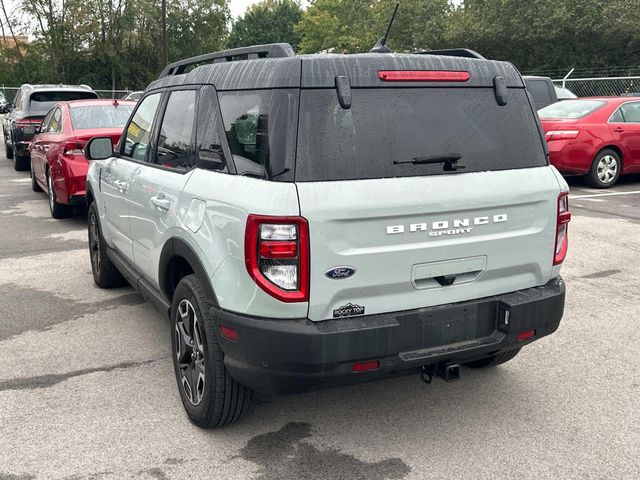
pixel 381 44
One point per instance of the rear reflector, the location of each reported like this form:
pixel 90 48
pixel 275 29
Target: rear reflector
pixel 422 76
pixel 522 336
pixel 229 333
pixel 367 366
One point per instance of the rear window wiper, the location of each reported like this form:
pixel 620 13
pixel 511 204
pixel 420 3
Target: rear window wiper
pixel 450 161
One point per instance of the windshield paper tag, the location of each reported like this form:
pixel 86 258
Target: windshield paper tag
pixel 348 310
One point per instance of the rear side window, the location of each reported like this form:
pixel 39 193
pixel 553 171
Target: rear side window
pixel 568 109
pixel 100 116
pixel 386 129
pixel 260 129
pixel 43 101
pixel 627 113
pixel 174 144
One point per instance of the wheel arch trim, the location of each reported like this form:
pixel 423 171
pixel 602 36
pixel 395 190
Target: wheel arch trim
pixel 177 247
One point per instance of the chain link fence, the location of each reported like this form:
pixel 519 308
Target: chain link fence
pixel 601 86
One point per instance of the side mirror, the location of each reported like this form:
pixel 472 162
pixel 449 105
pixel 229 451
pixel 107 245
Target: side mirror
pixel 29 130
pixel 210 159
pixel 99 148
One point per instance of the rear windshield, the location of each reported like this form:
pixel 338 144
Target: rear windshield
pixel 43 101
pixel 568 109
pixel 386 129
pixel 100 116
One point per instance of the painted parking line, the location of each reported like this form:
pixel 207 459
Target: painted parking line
pixel 575 197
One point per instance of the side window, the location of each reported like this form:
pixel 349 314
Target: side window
pixel 260 130
pixel 44 127
pixel 17 104
pixel 55 125
pixel 617 117
pixel 138 133
pixel 209 150
pixel 174 142
pixel 631 112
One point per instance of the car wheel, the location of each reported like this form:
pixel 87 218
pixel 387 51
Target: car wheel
pixel 105 273
pixel 605 169
pixel 58 210
pixel 211 397
pixel 21 161
pixel 494 360
pixel 34 183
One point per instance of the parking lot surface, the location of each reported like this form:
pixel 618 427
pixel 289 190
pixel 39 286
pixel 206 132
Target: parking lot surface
pixel 87 388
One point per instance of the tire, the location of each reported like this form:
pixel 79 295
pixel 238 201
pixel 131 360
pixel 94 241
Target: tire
pixel 105 273
pixel 605 169
pixel 211 397
pixel 21 161
pixel 34 183
pixel 58 210
pixel 494 360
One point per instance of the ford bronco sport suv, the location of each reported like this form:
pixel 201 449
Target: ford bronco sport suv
pixel 308 221
pixel 30 105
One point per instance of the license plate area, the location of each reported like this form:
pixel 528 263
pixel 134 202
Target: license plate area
pixel 449 325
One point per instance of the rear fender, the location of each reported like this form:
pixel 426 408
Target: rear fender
pixel 176 247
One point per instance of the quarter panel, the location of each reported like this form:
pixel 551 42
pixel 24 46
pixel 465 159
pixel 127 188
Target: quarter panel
pixel 219 240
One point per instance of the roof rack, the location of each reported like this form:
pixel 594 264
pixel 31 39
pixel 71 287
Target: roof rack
pixel 272 50
pixel 453 52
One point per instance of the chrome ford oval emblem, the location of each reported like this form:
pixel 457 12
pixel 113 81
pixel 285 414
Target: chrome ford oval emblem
pixel 337 273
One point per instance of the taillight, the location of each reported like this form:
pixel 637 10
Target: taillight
pixel 562 224
pixel 423 76
pixel 73 148
pixel 561 134
pixel 276 251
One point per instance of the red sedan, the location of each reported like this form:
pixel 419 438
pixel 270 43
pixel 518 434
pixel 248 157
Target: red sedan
pixel 58 164
pixel 596 137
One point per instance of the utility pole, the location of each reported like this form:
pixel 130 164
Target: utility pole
pixel 165 51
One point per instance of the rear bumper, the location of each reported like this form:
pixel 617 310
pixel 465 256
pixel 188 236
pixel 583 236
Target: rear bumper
pixel 287 356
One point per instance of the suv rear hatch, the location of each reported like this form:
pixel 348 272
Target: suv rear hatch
pixel 422 234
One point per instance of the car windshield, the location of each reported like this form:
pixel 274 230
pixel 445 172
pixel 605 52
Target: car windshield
pixel 569 109
pixel 100 116
pixel 402 132
pixel 43 101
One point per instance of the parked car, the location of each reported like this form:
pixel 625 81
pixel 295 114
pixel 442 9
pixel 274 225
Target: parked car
pixel 133 95
pixel 331 219
pixel 58 164
pixel 598 137
pixel 30 105
pixel 4 105
pixel 542 90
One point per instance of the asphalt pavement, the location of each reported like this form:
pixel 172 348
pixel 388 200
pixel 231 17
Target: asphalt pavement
pixel 87 389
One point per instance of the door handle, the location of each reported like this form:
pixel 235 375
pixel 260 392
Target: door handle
pixel 618 129
pixel 161 202
pixel 121 185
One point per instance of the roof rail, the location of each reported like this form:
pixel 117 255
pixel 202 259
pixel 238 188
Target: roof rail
pixel 453 52
pixel 273 50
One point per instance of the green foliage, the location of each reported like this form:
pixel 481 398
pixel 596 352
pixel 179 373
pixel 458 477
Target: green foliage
pixel 111 43
pixel 117 43
pixel 270 21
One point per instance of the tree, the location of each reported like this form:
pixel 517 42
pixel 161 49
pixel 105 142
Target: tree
pixel 269 21
pixel 339 26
